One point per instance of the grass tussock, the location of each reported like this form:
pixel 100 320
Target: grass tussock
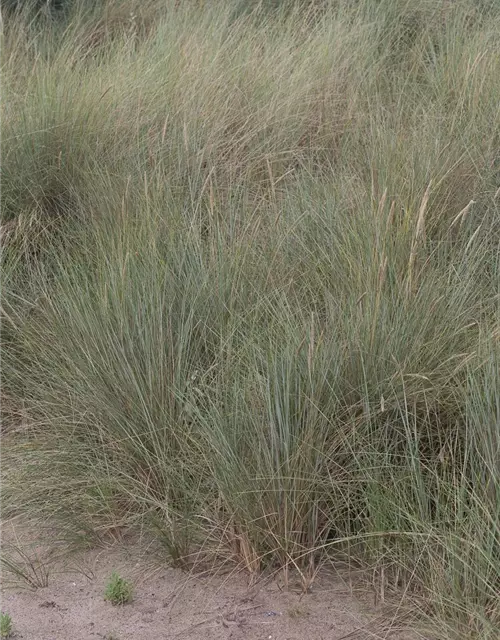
pixel 251 285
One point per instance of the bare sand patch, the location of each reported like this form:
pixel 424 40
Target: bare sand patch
pixel 172 604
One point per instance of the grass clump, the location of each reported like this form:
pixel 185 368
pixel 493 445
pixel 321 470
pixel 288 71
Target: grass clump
pixel 5 625
pixel 118 590
pixel 251 296
pixel 24 567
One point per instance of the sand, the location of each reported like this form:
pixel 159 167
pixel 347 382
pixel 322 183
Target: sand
pixel 169 603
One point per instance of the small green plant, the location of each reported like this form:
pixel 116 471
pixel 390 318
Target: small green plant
pixel 5 625
pixel 298 612
pixel 118 590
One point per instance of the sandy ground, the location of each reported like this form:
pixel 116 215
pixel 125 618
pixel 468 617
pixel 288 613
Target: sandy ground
pixel 171 604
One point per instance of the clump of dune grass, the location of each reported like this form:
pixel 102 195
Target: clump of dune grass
pixel 251 296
